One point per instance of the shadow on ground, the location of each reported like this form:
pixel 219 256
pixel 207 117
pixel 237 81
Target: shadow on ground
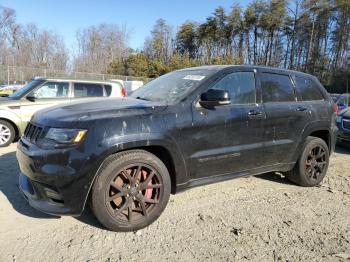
pixel 343 148
pixel 275 177
pixel 87 217
pixel 9 171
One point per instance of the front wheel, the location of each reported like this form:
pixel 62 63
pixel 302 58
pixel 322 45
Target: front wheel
pixel 131 190
pixel 7 133
pixel 312 164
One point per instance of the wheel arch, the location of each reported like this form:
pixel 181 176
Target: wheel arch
pixel 15 127
pixel 323 134
pixel 160 151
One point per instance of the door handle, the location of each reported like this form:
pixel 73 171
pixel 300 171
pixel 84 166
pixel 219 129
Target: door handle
pixel 301 108
pixel 254 113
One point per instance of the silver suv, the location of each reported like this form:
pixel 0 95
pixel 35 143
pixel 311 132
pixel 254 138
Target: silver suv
pixel 17 109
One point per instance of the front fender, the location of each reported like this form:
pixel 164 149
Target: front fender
pixel 142 140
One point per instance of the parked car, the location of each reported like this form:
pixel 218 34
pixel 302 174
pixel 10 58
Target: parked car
pixel 131 86
pixel 17 109
pixel 343 123
pixel 7 90
pixel 343 101
pixel 187 128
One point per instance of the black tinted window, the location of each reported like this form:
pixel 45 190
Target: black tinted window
pixel 307 89
pixel 87 90
pixel 276 88
pixel 108 89
pixel 240 85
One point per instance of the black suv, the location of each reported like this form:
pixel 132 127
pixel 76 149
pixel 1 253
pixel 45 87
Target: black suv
pixel 186 128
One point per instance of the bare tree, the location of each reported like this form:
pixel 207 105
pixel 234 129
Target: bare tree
pixel 99 45
pixel 28 45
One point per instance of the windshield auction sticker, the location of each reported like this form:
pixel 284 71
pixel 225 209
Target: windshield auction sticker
pixel 194 77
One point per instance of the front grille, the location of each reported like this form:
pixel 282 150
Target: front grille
pixel 33 132
pixel 346 124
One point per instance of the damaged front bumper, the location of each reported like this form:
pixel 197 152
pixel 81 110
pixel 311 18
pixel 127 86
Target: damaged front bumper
pixel 55 181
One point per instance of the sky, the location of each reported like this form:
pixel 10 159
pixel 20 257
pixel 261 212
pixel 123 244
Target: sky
pixel 66 17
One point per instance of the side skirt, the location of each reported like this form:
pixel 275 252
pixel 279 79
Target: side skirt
pixel 219 178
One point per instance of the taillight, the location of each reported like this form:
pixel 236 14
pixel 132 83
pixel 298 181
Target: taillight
pixel 123 92
pixel 335 108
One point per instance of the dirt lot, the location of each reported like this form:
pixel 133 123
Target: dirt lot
pixel 261 218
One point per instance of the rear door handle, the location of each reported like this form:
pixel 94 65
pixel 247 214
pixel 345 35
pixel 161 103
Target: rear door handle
pixel 254 113
pixel 301 108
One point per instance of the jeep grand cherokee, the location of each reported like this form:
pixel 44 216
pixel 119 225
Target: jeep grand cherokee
pixel 187 128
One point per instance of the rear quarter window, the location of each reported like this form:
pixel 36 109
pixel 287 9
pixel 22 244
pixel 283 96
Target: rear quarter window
pixel 108 89
pixel 307 89
pixel 276 88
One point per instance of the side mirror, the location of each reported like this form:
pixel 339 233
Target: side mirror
pixel 214 97
pixel 32 97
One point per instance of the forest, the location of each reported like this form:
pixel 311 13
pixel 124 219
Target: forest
pixel 312 36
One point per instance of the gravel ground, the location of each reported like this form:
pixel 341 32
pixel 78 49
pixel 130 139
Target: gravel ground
pixel 263 218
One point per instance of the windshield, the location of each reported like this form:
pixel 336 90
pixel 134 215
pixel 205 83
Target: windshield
pixel 344 100
pixel 335 98
pixel 21 92
pixel 172 87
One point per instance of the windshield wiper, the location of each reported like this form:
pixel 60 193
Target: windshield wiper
pixel 142 98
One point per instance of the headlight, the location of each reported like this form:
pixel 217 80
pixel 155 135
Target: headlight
pixel 66 136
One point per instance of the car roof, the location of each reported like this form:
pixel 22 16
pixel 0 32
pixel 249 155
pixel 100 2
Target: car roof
pixel 268 68
pixel 62 79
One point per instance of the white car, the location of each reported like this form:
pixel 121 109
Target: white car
pixel 130 86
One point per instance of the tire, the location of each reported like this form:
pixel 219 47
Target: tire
pixel 7 133
pixel 133 178
pixel 309 171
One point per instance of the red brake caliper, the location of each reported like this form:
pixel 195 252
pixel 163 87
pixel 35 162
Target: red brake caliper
pixel 148 193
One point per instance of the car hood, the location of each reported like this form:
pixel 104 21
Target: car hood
pixel 5 101
pixel 93 109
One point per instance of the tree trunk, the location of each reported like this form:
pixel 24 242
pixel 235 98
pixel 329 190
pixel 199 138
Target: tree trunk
pixel 255 44
pixel 292 50
pixel 309 49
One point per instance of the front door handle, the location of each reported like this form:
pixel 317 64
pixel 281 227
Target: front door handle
pixel 301 108
pixel 254 113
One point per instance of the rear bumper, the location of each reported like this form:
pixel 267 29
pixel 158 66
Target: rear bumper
pixel 54 181
pixel 343 136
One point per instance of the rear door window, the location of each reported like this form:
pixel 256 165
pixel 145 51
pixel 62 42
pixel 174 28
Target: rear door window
pixel 276 88
pixel 307 89
pixel 240 85
pixel 88 90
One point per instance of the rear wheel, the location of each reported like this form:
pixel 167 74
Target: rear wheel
pixel 131 190
pixel 7 133
pixel 312 165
